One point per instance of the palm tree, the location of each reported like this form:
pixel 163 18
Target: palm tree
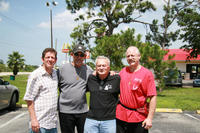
pixel 15 62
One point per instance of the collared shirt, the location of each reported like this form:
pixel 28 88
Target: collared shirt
pixel 135 88
pixel 103 97
pixel 42 90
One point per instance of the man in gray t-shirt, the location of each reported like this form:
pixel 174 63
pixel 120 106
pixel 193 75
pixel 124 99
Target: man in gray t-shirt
pixel 72 78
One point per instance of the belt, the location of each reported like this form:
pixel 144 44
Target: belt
pixel 127 107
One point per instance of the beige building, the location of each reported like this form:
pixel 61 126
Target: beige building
pixel 190 68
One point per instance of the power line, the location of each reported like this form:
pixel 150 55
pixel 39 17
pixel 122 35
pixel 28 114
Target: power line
pixel 8 44
pixel 22 26
pixel 14 21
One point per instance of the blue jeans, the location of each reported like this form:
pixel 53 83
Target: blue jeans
pixel 95 126
pixel 44 130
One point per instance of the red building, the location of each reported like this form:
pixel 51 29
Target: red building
pixel 191 67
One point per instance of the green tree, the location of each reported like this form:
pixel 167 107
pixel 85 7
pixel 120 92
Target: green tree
pixel 91 64
pixel 15 62
pixel 1 61
pixel 152 58
pixel 162 33
pixel 2 68
pixel 105 16
pixel 29 68
pixel 102 17
pixel 115 46
pixel 189 21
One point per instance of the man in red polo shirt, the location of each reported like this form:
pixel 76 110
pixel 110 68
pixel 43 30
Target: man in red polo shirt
pixel 136 86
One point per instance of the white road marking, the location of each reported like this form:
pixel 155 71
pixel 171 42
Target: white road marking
pixel 16 117
pixel 192 117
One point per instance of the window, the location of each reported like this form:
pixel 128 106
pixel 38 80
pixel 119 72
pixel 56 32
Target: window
pixel 1 82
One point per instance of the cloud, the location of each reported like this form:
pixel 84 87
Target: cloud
pixel 62 20
pixel 122 27
pixel 4 6
pixel 158 3
pixel 0 19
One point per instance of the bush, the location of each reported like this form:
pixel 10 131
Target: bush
pixel 2 68
pixel 29 68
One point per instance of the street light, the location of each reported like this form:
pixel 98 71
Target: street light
pixel 48 5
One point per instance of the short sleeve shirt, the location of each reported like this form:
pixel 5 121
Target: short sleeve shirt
pixel 103 97
pixel 42 90
pixel 72 85
pixel 135 87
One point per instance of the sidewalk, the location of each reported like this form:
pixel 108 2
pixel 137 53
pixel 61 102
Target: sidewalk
pixel 188 83
pixel 11 73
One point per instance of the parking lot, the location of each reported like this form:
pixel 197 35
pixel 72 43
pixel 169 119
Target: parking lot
pixel 187 83
pixel 186 122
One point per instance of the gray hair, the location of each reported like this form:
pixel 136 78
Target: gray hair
pixel 102 57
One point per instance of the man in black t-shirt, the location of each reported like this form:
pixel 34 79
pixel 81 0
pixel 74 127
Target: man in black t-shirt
pixel 104 90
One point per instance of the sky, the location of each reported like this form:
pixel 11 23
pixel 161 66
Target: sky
pixel 25 28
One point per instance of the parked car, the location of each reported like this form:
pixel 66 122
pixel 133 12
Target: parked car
pixel 9 95
pixel 171 80
pixel 196 82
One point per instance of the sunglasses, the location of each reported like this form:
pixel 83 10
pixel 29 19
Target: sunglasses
pixel 81 55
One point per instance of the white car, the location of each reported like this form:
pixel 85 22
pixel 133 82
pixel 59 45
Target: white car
pixel 9 95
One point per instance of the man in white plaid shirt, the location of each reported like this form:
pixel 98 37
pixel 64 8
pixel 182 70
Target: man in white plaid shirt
pixel 41 95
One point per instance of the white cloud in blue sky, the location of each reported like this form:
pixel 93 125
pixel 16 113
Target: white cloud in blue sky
pixel 4 6
pixel 62 20
pixel 158 3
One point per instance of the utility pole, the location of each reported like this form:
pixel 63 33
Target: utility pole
pixel 51 25
pixel 51 28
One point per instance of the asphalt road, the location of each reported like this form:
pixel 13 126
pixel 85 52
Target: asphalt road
pixel 186 122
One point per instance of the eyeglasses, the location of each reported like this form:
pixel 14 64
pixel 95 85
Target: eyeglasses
pixel 81 55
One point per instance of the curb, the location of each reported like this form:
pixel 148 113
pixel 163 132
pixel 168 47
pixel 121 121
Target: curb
pixel 24 105
pixel 198 112
pixel 161 110
pixel 169 110
pixel 21 105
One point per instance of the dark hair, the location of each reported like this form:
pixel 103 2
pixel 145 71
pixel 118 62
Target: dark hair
pixel 49 50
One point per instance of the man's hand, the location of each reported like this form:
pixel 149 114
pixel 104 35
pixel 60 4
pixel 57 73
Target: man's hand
pixel 35 125
pixel 112 73
pixel 94 73
pixel 147 123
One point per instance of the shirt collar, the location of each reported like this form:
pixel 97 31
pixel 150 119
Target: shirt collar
pixel 44 72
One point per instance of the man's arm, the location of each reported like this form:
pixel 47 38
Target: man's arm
pixel 152 107
pixel 34 122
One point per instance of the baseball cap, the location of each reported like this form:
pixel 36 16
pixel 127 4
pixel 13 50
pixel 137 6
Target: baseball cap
pixel 79 48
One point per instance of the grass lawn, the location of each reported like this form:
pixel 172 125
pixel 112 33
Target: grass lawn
pixel 20 82
pixel 182 98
